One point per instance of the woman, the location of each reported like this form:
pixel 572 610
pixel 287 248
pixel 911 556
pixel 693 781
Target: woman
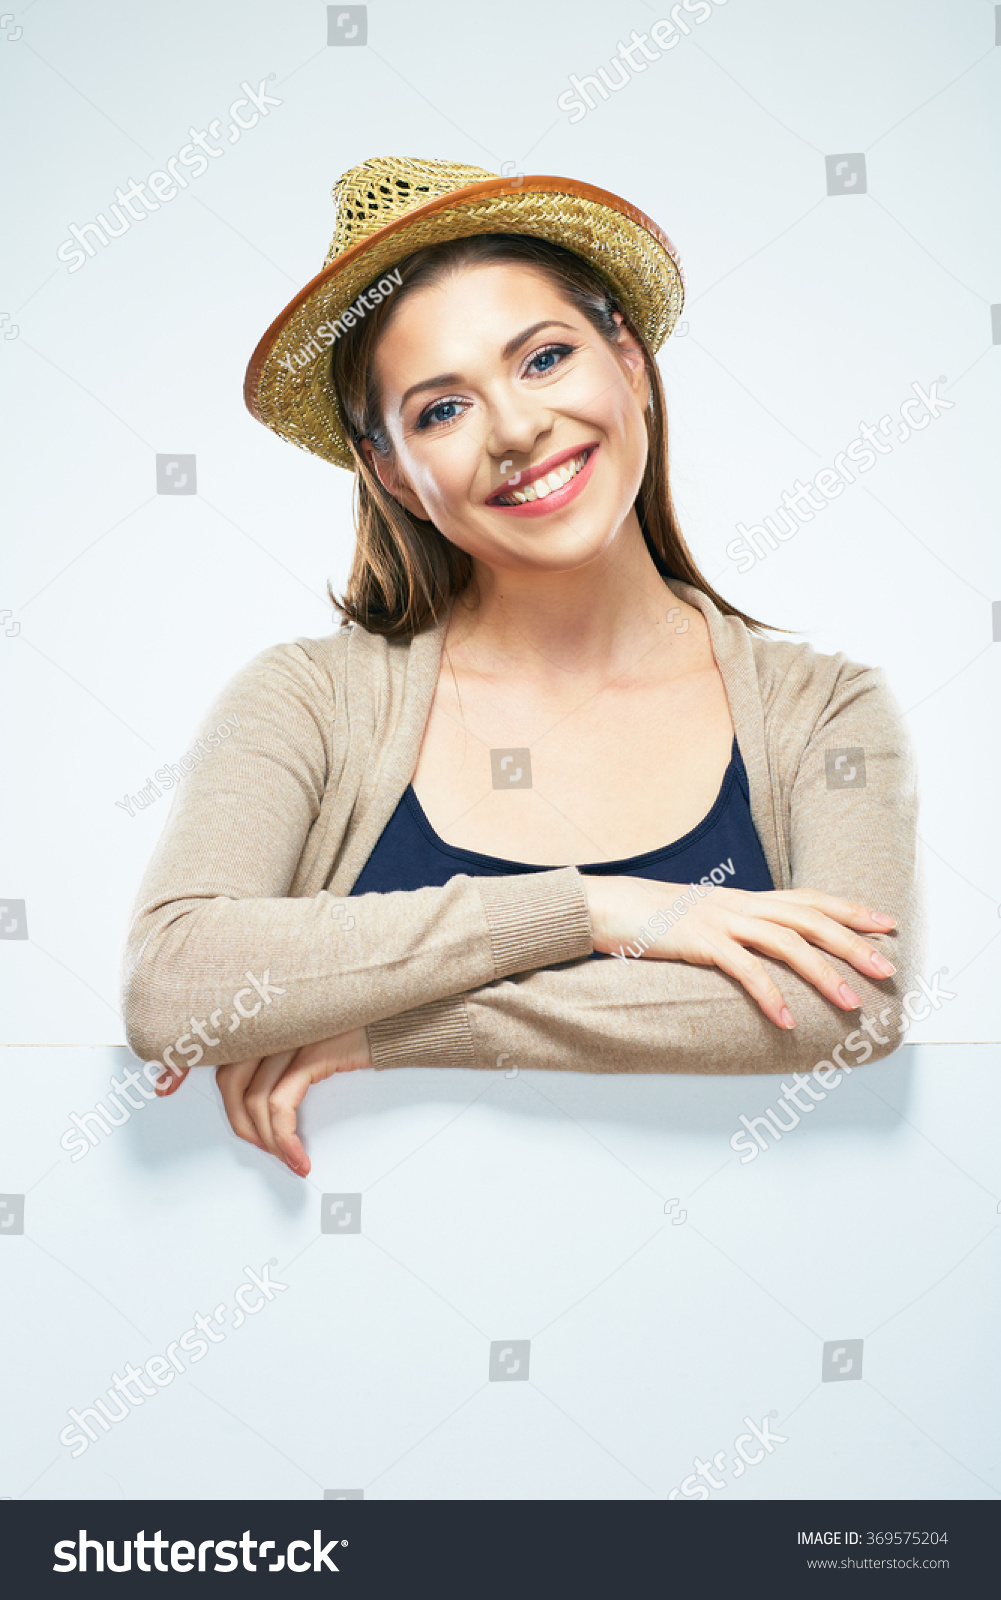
pixel 541 737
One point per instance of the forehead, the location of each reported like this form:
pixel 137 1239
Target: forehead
pixel 464 320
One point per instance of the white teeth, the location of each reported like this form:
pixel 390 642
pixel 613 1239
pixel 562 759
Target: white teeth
pixel 541 487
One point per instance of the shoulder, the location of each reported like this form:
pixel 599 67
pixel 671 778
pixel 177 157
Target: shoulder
pixel 798 681
pixel 827 715
pixel 315 677
pixel 326 660
pixel 781 670
pixel 802 692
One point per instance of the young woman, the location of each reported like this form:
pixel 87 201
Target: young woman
pixel 545 799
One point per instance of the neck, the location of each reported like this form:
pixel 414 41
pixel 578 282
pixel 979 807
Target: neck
pixel 584 621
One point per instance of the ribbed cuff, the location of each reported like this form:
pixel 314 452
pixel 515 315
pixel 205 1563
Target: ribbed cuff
pixel 536 919
pixel 438 1035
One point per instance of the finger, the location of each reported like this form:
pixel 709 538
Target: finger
pixel 850 912
pixel 820 929
pixel 752 974
pixel 311 1064
pixel 285 1099
pixel 233 1080
pixel 257 1097
pixel 170 1079
pixel 788 946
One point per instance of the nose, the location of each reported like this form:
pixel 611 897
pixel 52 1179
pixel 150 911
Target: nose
pixel 516 425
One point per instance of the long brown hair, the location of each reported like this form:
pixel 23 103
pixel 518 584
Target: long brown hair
pixel 405 571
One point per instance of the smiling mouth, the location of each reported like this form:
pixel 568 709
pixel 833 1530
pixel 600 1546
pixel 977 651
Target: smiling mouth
pixel 547 485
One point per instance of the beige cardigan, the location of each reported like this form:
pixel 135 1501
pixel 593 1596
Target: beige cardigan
pixel 241 924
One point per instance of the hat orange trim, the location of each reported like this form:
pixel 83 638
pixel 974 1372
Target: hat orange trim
pixel 478 191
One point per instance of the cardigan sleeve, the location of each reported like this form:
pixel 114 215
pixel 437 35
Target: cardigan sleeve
pixel 222 961
pixel 851 833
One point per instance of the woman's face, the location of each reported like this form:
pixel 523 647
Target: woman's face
pixel 489 375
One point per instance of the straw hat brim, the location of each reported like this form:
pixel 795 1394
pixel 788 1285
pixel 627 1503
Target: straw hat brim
pixel 288 384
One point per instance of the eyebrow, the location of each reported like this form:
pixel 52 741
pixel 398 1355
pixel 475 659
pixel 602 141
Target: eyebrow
pixel 446 380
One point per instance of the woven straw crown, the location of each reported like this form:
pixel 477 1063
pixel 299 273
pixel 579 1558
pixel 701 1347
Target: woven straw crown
pixel 391 206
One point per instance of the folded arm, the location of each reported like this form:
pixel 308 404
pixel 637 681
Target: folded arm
pixel 851 839
pixel 221 949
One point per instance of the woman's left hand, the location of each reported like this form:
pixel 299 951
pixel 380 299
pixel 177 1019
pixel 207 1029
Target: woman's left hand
pixel 263 1093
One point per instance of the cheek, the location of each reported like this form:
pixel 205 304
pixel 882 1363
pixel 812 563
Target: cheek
pixel 613 408
pixel 606 400
pixel 444 474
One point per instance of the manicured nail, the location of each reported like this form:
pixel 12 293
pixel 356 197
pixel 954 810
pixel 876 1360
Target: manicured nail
pixel 879 916
pixel 786 1018
pixel 883 967
pixel 849 996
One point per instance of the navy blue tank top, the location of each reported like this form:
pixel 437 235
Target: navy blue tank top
pixel 723 847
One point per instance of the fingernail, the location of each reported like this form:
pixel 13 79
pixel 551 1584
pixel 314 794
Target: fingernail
pixel 879 916
pixel 849 996
pixel 786 1018
pixel 884 967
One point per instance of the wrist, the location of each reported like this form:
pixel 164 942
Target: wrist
pixel 359 1049
pixel 597 892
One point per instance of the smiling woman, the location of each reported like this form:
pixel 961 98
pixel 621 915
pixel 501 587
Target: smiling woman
pixel 540 731
pixel 433 570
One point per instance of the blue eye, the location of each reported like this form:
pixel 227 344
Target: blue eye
pixel 550 357
pixel 441 411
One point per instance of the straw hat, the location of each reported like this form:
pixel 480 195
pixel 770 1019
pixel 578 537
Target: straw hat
pixel 391 206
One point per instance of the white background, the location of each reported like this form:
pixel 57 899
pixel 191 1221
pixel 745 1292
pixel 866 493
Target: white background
pixel 539 1212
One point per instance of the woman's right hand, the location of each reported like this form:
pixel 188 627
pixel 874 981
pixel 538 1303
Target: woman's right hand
pixel 262 1094
pixel 792 925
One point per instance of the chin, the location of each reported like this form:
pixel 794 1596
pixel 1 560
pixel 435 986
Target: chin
pixel 540 545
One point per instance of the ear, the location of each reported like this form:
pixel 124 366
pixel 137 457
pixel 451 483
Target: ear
pixel 631 351
pixel 393 482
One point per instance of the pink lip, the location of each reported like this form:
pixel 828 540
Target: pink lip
pixel 557 498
